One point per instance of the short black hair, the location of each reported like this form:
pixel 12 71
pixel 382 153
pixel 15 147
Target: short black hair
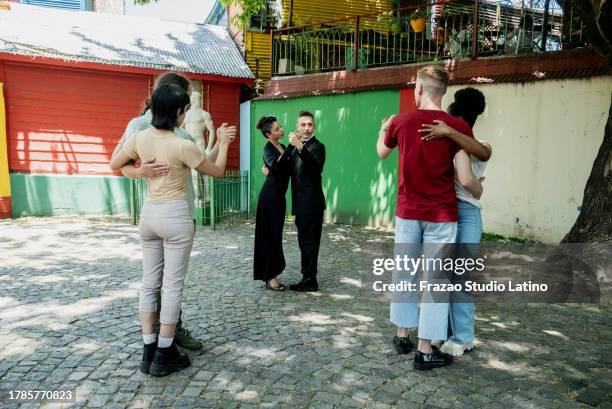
pixel 167 79
pixel 306 113
pixel 265 125
pixel 166 101
pixel 172 78
pixel 469 103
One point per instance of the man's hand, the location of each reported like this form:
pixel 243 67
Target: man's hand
pixel 439 129
pixel 152 169
pixel 265 170
pixel 385 123
pixel 226 134
pixel 294 140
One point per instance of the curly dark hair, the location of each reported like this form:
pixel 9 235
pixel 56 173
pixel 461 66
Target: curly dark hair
pixel 469 103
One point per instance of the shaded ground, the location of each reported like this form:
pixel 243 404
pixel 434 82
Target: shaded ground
pixel 68 298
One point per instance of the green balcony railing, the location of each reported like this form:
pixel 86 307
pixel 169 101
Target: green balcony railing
pixel 448 30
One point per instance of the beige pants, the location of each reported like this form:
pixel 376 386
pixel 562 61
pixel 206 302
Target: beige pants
pixel 167 232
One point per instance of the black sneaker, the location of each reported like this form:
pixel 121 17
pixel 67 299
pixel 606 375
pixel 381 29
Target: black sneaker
pixel 437 359
pixel 305 285
pixel 168 360
pixel 148 352
pixel 402 345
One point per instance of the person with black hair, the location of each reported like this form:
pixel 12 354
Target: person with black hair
pixel 269 260
pixel 307 158
pixel 149 167
pixel 307 198
pixel 166 226
pixel 468 104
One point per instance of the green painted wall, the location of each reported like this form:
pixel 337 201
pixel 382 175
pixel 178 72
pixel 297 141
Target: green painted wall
pixel 48 195
pixel 359 187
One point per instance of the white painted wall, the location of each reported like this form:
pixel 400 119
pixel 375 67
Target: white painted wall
pixel 545 136
pixel 245 145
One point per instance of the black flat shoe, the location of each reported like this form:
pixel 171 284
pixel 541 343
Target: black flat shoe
pixel 279 287
pixel 305 285
pixel 437 359
pixel 402 345
pixel 148 353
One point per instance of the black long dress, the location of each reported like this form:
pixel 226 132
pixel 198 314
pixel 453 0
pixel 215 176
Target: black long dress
pixel 269 260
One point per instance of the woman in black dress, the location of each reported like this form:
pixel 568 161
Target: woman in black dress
pixel 269 260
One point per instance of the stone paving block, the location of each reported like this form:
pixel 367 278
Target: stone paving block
pixel 262 349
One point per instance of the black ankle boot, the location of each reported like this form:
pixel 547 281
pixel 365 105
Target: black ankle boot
pixel 168 360
pixel 148 353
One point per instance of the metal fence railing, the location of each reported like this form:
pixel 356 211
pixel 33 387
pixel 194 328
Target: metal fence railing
pixel 217 200
pixel 431 31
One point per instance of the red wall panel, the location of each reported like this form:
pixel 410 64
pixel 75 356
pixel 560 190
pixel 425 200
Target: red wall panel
pixel 67 121
pixel 407 102
pixel 223 102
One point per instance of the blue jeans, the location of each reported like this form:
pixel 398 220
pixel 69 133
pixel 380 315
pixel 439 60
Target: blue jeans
pixel 432 319
pixel 469 230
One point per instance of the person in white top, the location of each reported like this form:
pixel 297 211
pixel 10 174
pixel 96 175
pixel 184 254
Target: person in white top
pixel 469 103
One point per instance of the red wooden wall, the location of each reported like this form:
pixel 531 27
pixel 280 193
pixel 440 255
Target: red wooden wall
pixel 223 103
pixel 407 100
pixel 67 121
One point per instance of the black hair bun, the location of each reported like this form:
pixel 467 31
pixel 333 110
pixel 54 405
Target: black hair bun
pixel 262 121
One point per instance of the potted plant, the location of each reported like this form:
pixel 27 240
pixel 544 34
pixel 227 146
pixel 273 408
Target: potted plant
pixel 418 19
pixel 389 19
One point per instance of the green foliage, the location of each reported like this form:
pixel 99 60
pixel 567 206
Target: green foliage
pixel 249 9
pixel 486 236
pixel 418 14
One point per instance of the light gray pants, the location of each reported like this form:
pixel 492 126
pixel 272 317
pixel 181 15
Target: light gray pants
pixel 167 232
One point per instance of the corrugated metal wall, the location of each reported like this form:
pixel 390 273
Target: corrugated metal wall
pixel 67 121
pixel 258 47
pixel 223 102
pixel 314 11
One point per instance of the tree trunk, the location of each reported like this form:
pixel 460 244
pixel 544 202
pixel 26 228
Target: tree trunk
pixel 594 224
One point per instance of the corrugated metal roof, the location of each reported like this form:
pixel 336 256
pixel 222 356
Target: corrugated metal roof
pixel 120 40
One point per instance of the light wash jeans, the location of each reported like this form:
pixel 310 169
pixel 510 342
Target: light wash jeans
pixel 167 233
pixel 432 319
pixel 469 230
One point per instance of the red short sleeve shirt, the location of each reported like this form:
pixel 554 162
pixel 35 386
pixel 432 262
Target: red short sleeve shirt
pixel 426 174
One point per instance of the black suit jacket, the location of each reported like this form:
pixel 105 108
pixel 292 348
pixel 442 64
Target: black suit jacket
pixel 306 185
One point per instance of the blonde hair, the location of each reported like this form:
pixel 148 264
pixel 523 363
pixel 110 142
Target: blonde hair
pixel 434 79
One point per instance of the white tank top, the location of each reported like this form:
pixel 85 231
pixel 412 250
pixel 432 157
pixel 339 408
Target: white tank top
pixel 478 168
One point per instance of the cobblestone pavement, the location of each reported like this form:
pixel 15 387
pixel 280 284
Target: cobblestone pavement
pixel 68 298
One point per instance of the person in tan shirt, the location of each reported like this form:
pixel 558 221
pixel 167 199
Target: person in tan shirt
pixel 166 225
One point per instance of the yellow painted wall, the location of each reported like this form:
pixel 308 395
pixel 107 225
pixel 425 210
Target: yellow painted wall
pixel 314 11
pixel 258 46
pixel 5 182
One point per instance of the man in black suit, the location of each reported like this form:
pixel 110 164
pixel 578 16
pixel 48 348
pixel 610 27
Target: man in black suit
pixel 308 201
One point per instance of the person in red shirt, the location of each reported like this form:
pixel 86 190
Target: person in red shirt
pixel 426 211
